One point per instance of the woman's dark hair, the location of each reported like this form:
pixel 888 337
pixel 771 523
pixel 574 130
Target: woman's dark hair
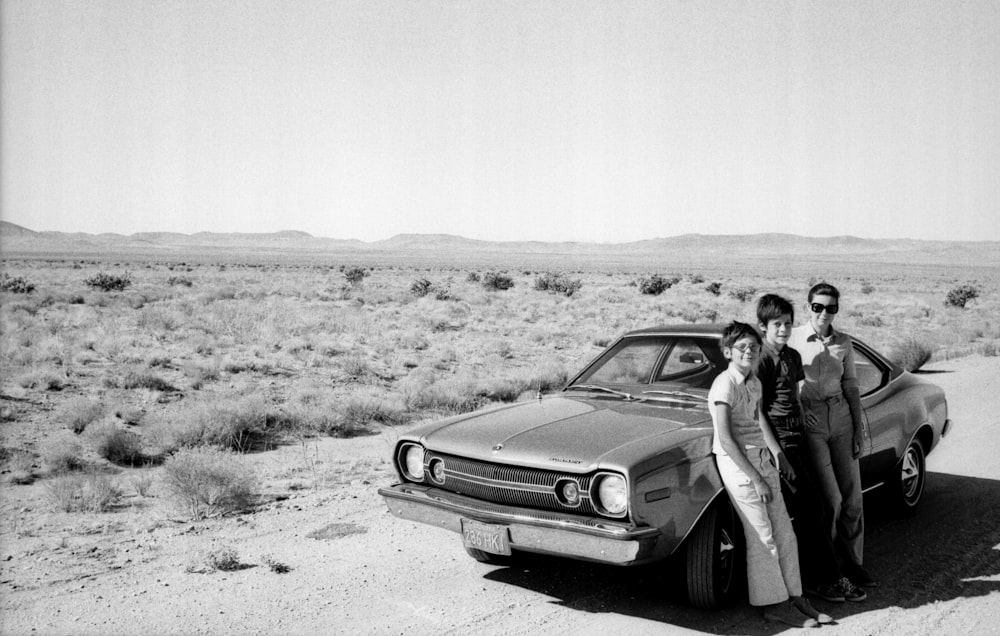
pixel 823 289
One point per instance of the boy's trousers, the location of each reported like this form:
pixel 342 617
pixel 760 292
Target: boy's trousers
pixel 772 553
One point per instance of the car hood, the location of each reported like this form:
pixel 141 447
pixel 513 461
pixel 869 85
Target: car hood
pixel 572 434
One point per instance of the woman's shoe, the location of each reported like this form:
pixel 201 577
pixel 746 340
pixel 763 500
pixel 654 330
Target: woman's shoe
pixel 786 613
pixel 802 604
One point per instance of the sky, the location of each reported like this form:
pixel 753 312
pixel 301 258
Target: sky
pixel 502 120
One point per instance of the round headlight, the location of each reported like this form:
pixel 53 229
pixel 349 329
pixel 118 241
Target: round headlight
pixel 437 470
pixel 612 494
pixel 413 462
pixel 568 492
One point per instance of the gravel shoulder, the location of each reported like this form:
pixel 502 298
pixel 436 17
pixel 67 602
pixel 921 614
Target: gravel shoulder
pixel 355 569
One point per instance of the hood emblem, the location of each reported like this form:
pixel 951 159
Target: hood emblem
pixel 497 447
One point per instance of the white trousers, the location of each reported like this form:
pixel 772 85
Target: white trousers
pixel 772 551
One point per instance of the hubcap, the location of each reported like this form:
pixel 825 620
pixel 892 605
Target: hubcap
pixel 910 473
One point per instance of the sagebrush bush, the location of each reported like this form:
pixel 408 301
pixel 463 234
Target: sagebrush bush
pixel 109 282
pixel 743 294
pixel 142 380
pixel 207 481
pixel 355 275
pixel 714 288
pixel 117 445
pixel 93 492
pixel 180 280
pixel 15 284
pixel 557 283
pixel 421 287
pixel 656 284
pixel 62 456
pixel 911 354
pixel 497 281
pixel 79 413
pixel 241 425
pixel 959 296
pixel 473 277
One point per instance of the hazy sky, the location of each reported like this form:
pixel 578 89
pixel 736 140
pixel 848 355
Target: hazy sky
pixel 549 120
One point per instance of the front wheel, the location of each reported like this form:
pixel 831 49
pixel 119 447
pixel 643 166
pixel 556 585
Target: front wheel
pixel 714 557
pixel 910 475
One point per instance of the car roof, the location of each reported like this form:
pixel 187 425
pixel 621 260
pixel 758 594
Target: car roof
pixel 712 330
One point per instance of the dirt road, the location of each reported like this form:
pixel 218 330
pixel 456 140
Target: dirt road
pixel 354 569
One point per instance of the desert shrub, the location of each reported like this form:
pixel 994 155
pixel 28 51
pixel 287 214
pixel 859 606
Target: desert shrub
pixel 556 283
pixel 19 463
pixel 15 284
pixel 696 279
pixel 62 456
pixel 867 288
pixel 109 282
pixel 656 284
pixel 714 288
pixel 911 354
pixel 358 411
pixel 961 295
pixel 79 413
pixel 743 294
pixel 44 380
pixel 473 277
pixel 497 281
pixel 207 481
pixel 117 445
pixel 274 565
pixel 141 483
pixel 217 558
pixel 180 280
pixel 421 287
pixel 140 380
pixel 355 275
pixel 94 492
pixel 241 425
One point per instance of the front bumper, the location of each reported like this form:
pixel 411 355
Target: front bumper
pixel 592 539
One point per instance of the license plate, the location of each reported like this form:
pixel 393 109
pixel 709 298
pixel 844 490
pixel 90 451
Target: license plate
pixel 485 537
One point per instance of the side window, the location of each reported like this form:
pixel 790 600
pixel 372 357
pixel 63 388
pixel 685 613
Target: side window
pixel 870 376
pixel 631 364
pixel 685 358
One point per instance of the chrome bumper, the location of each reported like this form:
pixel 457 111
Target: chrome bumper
pixel 592 539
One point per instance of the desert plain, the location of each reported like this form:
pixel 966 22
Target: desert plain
pixel 290 373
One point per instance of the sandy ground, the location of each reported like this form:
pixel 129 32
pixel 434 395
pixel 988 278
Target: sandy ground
pixel 354 569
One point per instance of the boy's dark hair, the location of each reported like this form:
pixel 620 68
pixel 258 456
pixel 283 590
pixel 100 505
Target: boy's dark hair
pixel 823 289
pixel 773 306
pixel 736 331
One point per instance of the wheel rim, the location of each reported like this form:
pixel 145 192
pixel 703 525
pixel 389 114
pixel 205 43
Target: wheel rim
pixel 909 474
pixel 727 552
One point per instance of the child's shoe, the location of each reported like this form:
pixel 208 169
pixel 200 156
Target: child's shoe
pixel 850 591
pixel 786 613
pixel 802 604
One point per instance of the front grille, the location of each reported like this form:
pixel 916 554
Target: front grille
pixel 511 485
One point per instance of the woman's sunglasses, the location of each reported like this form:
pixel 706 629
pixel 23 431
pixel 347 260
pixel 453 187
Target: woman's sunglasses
pixel 818 308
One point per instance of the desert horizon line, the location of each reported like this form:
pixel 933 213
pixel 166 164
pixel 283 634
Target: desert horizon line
pixel 402 235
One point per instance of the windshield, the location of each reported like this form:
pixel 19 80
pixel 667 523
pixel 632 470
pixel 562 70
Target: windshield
pixel 651 363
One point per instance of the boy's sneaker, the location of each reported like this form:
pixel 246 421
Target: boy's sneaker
pixel 850 591
pixel 831 592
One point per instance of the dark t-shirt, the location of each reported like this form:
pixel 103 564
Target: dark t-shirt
pixel 780 373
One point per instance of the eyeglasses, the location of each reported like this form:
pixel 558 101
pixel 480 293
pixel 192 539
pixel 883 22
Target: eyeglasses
pixel 817 308
pixel 747 348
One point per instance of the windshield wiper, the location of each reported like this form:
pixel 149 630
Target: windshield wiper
pixel 679 394
pixel 594 387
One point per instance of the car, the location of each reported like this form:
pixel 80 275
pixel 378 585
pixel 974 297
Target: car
pixel 617 466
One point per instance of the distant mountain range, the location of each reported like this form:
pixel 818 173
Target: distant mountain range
pixel 15 239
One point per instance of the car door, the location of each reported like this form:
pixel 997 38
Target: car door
pixel 883 421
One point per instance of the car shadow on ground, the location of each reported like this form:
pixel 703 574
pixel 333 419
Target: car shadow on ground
pixel 946 550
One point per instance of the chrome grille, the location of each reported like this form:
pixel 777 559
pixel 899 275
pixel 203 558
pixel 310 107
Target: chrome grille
pixel 511 485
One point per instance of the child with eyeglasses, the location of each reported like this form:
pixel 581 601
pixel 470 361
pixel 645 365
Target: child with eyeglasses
pixel 834 430
pixel 748 456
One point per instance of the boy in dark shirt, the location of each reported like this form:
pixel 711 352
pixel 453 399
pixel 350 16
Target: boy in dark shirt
pixel 779 371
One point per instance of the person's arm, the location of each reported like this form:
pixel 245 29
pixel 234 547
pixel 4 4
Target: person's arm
pixel 771 439
pixel 849 386
pixel 735 452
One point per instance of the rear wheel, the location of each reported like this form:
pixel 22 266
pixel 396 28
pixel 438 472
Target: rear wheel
pixel 910 473
pixel 714 557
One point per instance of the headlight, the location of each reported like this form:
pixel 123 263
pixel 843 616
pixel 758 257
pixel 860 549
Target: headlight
pixel 411 460
pixel 568 492
pixel 612 494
